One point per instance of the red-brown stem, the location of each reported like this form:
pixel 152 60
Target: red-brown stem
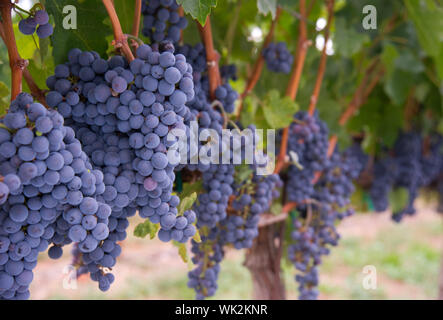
pixel 212 57
pixel 120 40
pixel 322 64
pixel 137 17
pixel 16 63
pixel 259 64
pixel 294 81
pixel 36 92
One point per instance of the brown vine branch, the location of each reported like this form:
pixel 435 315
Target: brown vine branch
pixel 16 63
pixel 212 57
pixel 294 82
pixel 322 64
pixel 137 17
pixel 120 40
pixel 259 64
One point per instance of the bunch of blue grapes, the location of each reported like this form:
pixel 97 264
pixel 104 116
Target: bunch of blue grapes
pixel 123 113
pixel 308 140
pixel 253 197
pixel 314 229
pixel 162 21
pixel 38 21
pixel 207 256
pixel 195 55
pixel 52 193
pixel 229 72
pixel 410 165
pixel 278 58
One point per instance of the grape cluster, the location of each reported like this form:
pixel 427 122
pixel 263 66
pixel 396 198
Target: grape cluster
pixel 229 72
pixel 53 192
pixel 195 55
pixel 39 22
pixel 162 21
pixel 123 113
pixel 207 258
pixel 252 198
pixel 412 163
pixel 278 58
pixel 308 140
pixel 314 229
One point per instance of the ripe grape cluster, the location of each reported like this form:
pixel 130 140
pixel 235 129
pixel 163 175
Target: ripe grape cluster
pixel 314 228
pixel 413 162
pixel 123 113
pixel 253 197
pixel 39 22
pixel 162 21
pixel 308 142
pixel 278 58
pixel 53 193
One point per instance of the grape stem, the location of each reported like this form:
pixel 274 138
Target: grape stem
pixel 294 82
pixel 137 17
pixel 212 57
pixel 36 92
pixel 322 64
pixel 120 40
pixel 259 64
pixel 16 63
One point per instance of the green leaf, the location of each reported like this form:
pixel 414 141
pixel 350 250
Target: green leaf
pixel 145 228
pixel 4 98
pixel 276 208
pixel 397 86
pixel 197 237
pixel 187 203
pixel 198 9
pixel 427 17
pixel 388 57
pixel 189 188
pixel 125 10
pixel 408 62
pixel 243 173
pixel 91 29
pixel 428 21
pixel 278 111
pixel 182 251
pixel 398 199
pixel 267 6
pixel 348 41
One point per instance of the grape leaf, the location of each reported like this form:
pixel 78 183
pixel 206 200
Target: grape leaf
pixel 4 98
pixel 398 199
pixel 197 237
pixel 278 111
pixel 91 29
pixel 182 251
pixel 397 86
pixel 187 203
pixel 145 228
pixel 190 188
pixel 267 6
pixel 276 208
pixel 198 9
pixel 347 41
